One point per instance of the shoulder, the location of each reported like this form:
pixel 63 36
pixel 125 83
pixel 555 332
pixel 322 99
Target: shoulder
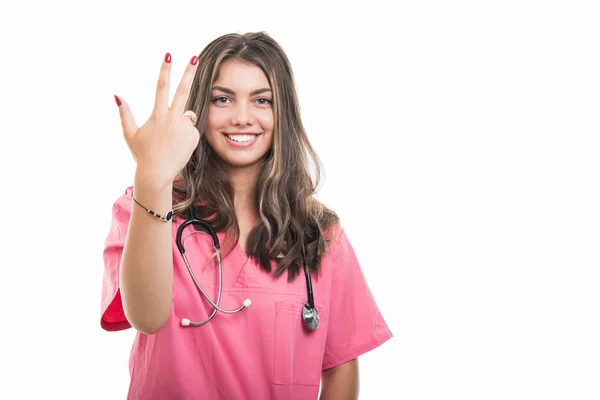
pixel 121 208
pixel 333 233
pixel 338 243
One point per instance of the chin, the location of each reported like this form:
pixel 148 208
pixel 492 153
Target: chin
pixel 240 162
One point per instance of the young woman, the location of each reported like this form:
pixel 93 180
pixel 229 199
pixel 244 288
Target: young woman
pixel 265 299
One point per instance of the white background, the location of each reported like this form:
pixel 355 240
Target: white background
pixel 460 143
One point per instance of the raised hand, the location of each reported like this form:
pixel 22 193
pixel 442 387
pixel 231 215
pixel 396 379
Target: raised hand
pixel 164 144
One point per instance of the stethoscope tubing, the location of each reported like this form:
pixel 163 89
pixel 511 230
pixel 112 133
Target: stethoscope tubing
pixel 309 313
pixel 206 296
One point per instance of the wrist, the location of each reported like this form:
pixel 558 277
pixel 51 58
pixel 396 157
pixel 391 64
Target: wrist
pixel 152 180
pixel 153 196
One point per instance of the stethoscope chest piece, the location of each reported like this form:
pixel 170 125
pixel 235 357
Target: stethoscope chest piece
pixel 310 317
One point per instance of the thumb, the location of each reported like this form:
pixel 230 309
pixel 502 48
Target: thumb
pixel 127 121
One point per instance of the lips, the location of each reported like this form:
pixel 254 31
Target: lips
pixel 242 137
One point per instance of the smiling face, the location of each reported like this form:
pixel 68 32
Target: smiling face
pixel 240 117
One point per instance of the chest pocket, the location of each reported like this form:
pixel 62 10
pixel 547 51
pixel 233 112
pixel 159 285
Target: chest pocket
pixel 298 351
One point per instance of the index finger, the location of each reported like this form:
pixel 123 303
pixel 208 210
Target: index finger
pixel 183 90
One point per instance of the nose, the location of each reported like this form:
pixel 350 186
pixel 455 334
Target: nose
pixel 241 114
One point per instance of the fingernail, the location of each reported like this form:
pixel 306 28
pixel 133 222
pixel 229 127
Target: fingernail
pixel 194 60
pixel 168 58
pixel 118 101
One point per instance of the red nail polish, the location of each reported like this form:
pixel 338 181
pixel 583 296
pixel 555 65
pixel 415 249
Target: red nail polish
pixel 194 60
pixel 168 58
pixel 118 101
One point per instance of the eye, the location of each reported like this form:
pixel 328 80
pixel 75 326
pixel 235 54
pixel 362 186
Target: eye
pixel 220 100
pixel 263 101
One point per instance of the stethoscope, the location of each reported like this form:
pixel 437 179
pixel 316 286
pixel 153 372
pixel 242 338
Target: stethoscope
pixel 309 312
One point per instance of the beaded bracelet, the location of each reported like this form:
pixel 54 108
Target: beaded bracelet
pixel 166 218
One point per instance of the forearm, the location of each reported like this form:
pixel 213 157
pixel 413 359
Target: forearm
pixel 341 382
pixel 146 277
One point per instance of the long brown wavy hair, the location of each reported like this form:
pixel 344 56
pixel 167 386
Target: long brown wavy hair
pixel 290 214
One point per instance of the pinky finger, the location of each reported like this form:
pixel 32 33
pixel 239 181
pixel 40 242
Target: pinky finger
pixel 127 121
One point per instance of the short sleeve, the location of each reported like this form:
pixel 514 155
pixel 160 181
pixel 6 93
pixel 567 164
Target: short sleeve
pixel 112 314
pixel 356 325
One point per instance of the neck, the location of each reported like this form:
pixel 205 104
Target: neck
pixel 244 182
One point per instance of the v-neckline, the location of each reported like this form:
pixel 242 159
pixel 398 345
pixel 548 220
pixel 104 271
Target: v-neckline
pixel 241 250
pixel 239 245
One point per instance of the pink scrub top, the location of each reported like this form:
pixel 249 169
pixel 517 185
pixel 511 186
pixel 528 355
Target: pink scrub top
pixel 262 352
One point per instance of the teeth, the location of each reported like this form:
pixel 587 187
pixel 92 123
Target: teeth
pixel 241 138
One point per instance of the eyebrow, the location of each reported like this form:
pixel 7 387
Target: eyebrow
pixel 231 92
